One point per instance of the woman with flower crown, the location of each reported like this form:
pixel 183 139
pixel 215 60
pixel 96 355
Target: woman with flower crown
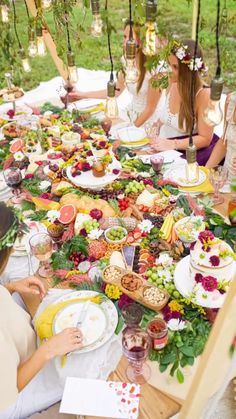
pixel 29 382
pixel 226 146
pixel 175 105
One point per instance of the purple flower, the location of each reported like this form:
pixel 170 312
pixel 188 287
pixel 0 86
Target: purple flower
pixel 198 278
pixel 124 300
pixel 168 314
pixel 45 195
pixel 191 247
pixel 29 176
pixel 215 260
pixel 89 153
pixel 102 144
pixel 91 258
pixel 83 232
pixel 115 171
pixel 209 283
pixel 206 236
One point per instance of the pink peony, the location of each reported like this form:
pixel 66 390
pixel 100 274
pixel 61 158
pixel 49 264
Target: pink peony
pixel 209 283
pixel 215 260
pixel 115 171
pixel 198 277
pixel 206 236
pixel 168 314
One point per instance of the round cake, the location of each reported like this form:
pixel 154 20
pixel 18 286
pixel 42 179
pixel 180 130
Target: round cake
pixel 211 259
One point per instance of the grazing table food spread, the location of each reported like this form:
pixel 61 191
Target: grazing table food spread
pixel 118 231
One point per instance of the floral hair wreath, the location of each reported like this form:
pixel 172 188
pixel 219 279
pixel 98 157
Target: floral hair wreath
pixel 17 228
pixel 182 53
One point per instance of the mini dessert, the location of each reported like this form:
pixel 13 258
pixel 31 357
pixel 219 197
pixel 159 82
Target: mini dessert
pixel 99 169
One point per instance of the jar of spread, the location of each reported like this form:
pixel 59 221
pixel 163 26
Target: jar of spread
pixel 158 332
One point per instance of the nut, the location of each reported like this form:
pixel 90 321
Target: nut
pixel 112 274
pixel 130 282
pixel 154 295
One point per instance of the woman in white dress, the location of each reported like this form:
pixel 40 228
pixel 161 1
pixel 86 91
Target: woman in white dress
pixel 175 105
pixel 144 97
pixel 29 382
pixel 226 146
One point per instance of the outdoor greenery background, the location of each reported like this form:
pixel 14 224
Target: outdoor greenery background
pixel 175 16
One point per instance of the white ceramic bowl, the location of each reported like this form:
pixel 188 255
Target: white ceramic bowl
pixel 131 134
pixel 191 235
pixel 70 138
pixel 116 241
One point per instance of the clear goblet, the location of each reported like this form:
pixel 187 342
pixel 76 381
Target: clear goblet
pixel 218 176
pixel 41 247
pixel 13 179
pixel 136 345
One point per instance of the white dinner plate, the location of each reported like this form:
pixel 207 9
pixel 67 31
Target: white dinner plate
pixel 188 288
pixel 178 175
pixel 21 246
pixel 99 324
pixel 21 111
pixel 85 104
pixel 87 180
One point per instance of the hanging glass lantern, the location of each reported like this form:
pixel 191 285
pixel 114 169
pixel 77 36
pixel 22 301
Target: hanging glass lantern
pixel 150 44
pixel 4 13
pixel 73 76
pixel 24 61
pixel 131 70
pixel 32 48
pixel 111 110
pixel 96 26
pixel 41 47
pixel 46 4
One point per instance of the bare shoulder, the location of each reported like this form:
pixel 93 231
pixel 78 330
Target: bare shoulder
pixel 203 96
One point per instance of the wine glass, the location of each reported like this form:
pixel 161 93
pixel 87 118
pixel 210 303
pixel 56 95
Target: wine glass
pixel 56 231
pixel 136 345
pixel 218 176
pixel 132 314
pixel 41 247
pixel 157 162
pixel 13 179
pixel 106 125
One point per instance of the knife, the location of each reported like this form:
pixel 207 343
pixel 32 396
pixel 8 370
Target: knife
pixel 82 314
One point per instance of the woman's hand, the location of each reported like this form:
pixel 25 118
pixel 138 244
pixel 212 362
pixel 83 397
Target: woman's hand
pixel 162 144
pixel 68 340
pixel 72 96
pixel 30 285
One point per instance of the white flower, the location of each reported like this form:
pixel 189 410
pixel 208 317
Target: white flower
pixel 18 156
pixel 165 259
pixel 198 64
pixel 176 324
pixel 44 185
pixel 145 226
pixel 90 160
pixel 166 276
pixel 52 215
pixel 95 234
pixel 180 53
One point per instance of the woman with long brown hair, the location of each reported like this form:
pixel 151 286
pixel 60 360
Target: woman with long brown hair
pixel 29 382
pixel 144 97
pixel 175 106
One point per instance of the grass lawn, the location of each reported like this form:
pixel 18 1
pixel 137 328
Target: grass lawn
pixel 174 15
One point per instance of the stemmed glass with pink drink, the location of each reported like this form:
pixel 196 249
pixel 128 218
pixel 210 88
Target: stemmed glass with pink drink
pixel 41 246
pixel 136 345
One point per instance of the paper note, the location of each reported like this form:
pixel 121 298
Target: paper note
pixel 108 399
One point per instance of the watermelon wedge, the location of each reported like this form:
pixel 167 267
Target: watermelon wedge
pixel 67 214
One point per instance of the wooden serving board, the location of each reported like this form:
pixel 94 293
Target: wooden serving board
pixel 136 295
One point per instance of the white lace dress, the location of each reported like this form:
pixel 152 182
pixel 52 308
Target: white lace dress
pixel 138 101
pixel 230 136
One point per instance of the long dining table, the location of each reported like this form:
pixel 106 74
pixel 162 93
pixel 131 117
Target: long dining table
pixel 154 404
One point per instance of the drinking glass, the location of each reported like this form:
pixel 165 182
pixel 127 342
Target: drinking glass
pixel 132 314
pixel 13 179
pixel 136 345
pixel 152 129
pixel 106 125
pixel 41 247
pixel 56 231
pixel 157 162
pixel 218 176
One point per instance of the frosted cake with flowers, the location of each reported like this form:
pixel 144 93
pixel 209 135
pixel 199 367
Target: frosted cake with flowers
pixel 211 263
